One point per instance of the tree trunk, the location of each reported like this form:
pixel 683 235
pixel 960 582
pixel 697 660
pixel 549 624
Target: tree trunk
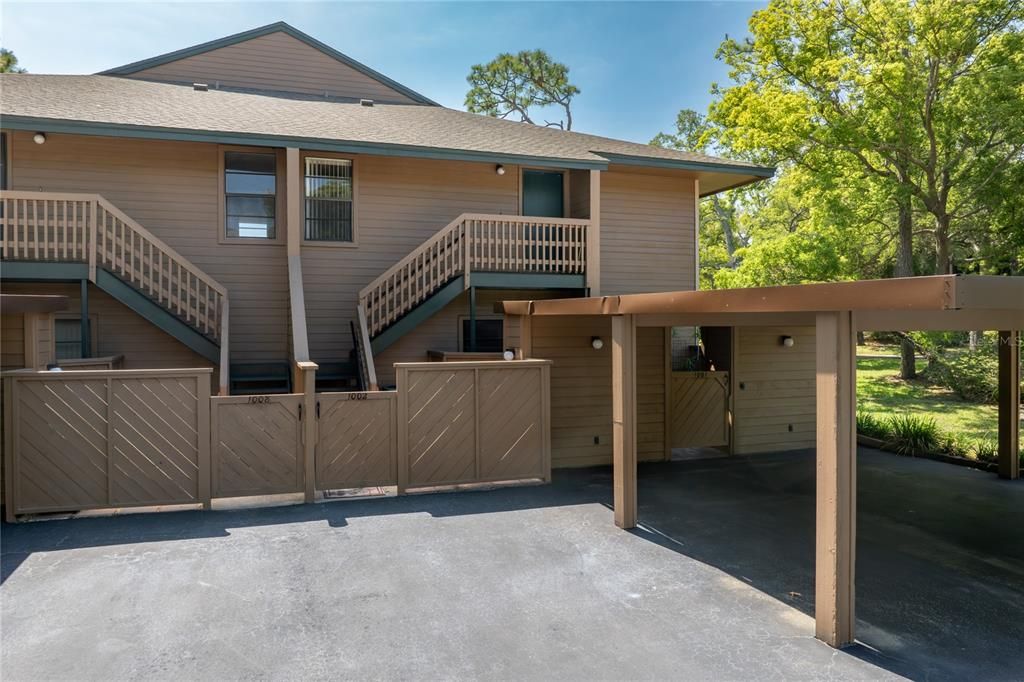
pixel 943 259
pixel 725 220
pixel 905 268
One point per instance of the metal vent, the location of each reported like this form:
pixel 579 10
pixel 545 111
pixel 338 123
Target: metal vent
pixel 366 102
pixel 200 87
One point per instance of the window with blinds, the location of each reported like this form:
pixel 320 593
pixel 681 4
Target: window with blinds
pixel 328 200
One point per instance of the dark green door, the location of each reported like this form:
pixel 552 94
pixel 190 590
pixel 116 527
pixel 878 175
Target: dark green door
pixel 542 194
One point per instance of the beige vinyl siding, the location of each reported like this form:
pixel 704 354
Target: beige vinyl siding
pixel 581 389
pixel 400 203
pixel 12 340
pixel 119 330
pixel 172 189
pixel 646 232
pixel 276 61
pixel 650 393
pixel 777 389
pixel 579 193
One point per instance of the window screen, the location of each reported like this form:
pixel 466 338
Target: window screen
pixel 250 195
pixel 488 336
pixel 328 200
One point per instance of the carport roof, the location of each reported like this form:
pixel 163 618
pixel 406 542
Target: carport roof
pixel 1000 299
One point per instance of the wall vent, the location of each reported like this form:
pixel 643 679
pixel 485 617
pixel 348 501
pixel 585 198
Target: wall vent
pixel 200 87
pixel 366 102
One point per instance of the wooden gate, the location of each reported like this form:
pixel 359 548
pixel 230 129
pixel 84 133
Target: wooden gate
pixel 700 409
pixel 356 447
pixel 473 422
pixel 93 439
pixel 257 445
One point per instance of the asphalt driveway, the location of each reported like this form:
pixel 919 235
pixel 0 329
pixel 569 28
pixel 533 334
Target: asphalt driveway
pixel 529 583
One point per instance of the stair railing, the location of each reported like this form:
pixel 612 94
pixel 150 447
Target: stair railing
pixel 474 243
pixel 86 228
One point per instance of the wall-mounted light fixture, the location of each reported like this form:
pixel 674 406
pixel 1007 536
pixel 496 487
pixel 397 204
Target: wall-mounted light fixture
pixel 39 138
pixel 509 354
pixel 499 169
pixel 786 341
pixel 596 343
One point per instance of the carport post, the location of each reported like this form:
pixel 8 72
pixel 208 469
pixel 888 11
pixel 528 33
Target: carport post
pixel 836 507
pixel 1009 404
pixel 624 420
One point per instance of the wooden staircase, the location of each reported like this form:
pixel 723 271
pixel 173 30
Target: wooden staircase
pixel 444 266
pixel 85 234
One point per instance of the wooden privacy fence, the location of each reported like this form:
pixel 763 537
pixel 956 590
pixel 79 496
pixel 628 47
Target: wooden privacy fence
pixel 700 409
pixel 95 439
pixel 472 422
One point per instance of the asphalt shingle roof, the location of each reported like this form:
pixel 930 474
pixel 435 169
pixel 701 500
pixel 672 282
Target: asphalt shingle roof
pixel 126 102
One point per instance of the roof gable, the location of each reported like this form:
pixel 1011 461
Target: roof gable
pixel 276 57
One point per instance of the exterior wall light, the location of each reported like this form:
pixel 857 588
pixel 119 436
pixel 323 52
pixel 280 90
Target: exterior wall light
pixel 509 354
pixel 39 138
pixel 787 341
pixel 499 169
pixel 596 342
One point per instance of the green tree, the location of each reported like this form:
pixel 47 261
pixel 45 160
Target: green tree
pixel 519 84
pixel 925 98
pixel 8 62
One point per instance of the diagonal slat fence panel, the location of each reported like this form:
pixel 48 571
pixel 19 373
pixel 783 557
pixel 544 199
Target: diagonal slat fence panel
pixel 105 438
pixel 473 422
pixel 700 409
pixel 356 447
pixel 257 445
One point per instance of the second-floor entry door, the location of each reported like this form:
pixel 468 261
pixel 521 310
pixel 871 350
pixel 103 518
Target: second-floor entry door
pixel 543 193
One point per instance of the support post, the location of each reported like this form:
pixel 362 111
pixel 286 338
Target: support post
pixel 224 375
pixel 836 493
pixel 84 312
pixel 624 420
pixel 594 235
pixel 472 319
pixel 309 426
pixel 1009 404
pixel 203 408
pixel 10 475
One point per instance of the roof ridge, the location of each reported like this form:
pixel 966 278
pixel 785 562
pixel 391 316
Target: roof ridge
pixel 275 27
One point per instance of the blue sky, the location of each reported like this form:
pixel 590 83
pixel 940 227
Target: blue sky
pixel 636 63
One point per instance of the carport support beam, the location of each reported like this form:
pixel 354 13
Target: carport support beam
pixel 1009 404
pixel 836 492
pixel 624 420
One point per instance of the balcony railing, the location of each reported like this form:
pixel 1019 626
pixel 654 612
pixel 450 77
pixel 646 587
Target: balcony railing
pixel 475 243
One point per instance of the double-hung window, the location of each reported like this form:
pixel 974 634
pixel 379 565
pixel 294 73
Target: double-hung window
pixel 328 200
pixel 250 195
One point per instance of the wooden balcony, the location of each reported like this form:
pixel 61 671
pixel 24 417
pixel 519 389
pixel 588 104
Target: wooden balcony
pixel 474 243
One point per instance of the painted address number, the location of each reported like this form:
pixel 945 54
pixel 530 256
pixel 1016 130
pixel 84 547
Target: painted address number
pixel 357 396
pixel 259 399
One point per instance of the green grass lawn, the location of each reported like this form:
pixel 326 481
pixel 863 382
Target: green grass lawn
pixel 881 392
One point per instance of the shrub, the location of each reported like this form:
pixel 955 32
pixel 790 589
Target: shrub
pixel 913 435
pixel 871 426
pixel 954 445
pixel 985 451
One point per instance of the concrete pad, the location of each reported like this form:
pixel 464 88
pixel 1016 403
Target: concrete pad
pixel 524 583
